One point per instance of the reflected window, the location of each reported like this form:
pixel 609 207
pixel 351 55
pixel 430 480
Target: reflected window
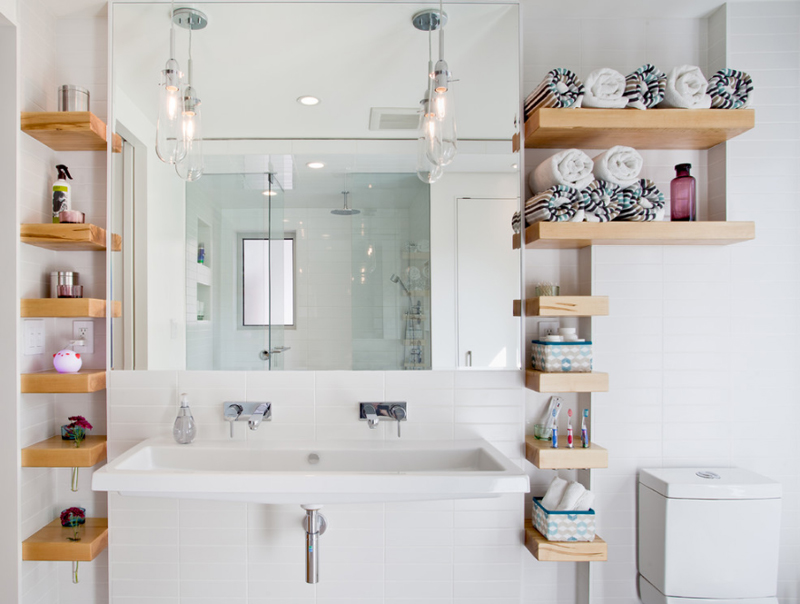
pixel 268 295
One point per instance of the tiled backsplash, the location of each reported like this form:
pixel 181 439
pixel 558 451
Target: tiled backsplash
pixel 170 551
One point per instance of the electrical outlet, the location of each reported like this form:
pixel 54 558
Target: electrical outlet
pixel 548 328
pixel 34 337
pixel 84 330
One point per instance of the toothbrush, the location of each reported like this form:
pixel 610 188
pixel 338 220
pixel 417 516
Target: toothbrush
pixel 555 429
pixel 585 430
pixel 569 429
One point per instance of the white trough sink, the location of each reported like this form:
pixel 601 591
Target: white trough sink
pixel 312 473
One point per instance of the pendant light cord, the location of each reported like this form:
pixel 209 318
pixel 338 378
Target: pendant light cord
pixel 441 30
pixel 172 30
pixel 189 81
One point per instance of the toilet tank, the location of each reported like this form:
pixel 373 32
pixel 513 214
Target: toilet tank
pixel 709 533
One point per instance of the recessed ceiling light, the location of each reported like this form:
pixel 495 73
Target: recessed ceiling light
pixel 308 100
pixel 269 193
pixel 315 165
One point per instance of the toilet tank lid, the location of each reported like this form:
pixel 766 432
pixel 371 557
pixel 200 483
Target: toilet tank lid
pixel 709 483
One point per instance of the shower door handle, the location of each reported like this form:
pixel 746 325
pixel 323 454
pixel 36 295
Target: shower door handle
pixel 469 358
pixel 264 354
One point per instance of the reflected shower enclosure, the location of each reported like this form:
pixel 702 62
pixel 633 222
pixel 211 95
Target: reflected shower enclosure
pixel 310 271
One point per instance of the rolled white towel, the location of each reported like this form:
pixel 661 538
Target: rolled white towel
pixel 571 495
pixel 585 502
pixel 619 165
pixel 686 89
pixel 605 88
pixel 571 168
pixel 554 493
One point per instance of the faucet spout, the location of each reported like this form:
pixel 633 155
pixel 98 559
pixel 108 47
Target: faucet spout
pixel 371 415
pixel 261 413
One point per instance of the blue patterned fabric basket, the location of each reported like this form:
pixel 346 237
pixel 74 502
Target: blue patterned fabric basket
pixel 562 357
pixel 563 526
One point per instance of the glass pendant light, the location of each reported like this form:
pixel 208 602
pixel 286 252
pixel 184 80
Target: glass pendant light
pixel 428 144
pixel 190 136
pixel 443 108
pixel 168 126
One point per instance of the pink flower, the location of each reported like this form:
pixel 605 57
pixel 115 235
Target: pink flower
pixel 80 421
pixel 73 516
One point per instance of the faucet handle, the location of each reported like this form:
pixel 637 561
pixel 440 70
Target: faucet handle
pixel 398 412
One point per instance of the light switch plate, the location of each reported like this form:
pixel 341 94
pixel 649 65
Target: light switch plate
pixel 83 330
pixel 34 335
pixel 548 328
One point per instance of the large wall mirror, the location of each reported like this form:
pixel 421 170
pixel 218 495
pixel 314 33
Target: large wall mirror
pixel 309 242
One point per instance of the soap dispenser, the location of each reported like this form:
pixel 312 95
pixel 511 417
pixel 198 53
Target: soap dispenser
pixel 185 429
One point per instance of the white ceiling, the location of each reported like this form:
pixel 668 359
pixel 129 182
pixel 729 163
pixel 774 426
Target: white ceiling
pixel 254 59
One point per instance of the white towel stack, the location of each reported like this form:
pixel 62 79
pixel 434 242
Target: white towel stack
pixel 619 165
pixel 605 88
pixel 567 496
pixel 570 168
pixel 686 89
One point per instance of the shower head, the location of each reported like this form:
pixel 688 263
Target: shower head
pixel 395 279
pixel 346 210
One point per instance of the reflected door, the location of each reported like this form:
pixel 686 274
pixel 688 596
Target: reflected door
pixel 488 282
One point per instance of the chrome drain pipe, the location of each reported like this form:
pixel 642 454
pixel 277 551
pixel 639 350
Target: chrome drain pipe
pixel 315 526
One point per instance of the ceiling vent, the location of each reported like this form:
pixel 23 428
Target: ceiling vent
pixel 393 118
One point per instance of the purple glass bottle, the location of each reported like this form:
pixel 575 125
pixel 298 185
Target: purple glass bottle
pixel 682 194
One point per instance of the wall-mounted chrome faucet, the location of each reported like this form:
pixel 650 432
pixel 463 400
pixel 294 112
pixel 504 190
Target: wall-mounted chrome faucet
pixel 254 413
pixel 372 413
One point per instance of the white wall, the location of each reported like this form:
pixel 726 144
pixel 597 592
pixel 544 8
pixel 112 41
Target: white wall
pixel 686 381
pixel 76 54
pixel 166 550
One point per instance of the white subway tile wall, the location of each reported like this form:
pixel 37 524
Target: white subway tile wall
pixel 55 52
pixel 183 551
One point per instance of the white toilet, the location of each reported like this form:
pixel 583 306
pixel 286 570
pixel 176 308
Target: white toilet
pixel 708 536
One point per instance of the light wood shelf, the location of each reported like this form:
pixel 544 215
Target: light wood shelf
pixel 68 307
pixel 51 543
pixel 52 382
pixel 563 306
pixel 564 551
pixel 553 128
pixel 59 453
pixel 68 237
pixel 68 130
pixel 544 457
pixel 570 235
pixel 566 382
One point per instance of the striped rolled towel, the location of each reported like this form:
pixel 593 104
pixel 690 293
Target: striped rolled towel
pixel 619 165
pixel 515 222
pixel 644 88
pixel 730 89
pixel 605 88
pixel 686 89
pixel 641 202
pixel 556 204
pixel 559 88
pixel 571 168
pixel 602 201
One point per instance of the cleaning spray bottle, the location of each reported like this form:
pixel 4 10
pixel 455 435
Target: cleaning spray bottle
pixel 61 192
pixel 184 430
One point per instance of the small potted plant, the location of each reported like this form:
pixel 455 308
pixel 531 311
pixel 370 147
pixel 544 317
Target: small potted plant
pixel 73 518
pixel 76 429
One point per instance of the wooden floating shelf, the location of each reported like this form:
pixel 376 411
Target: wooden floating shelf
pixel 563 306
pixel 68 130
pixel 552 128
pixel 571 235
pixel 544 457
pixel 566 382
pixel 68 237
pixel 59 453
pixel 51 543
pixel 68 307
pixel 564 551
pixel 52 382
pixel 419 293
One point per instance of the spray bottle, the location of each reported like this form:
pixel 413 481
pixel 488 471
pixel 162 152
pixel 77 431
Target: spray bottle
pixel 61 192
